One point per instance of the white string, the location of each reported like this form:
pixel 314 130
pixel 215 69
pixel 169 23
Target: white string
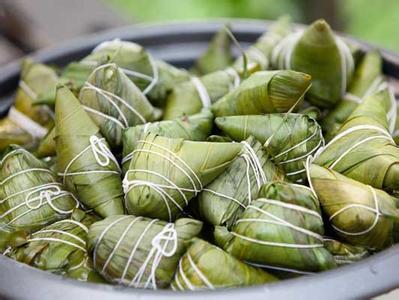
pixel 202 92
pixel 392 113
pixel 109 97
pixel 224 196
pixel 347 63
pixel 26 123
pixel 251 160
pixel 291 206
pixel 257 167
pixel 275 244
pixel 102 155
pixel 375 210
pixel 46 191
pixel 357 145
pixel 27 90
pixel 105 116
pixel 314 134
pixel 236 77
pixel 351 130
pixel 134 249
pixel 100 238
pixel 121 238
pixel 167 234
pixel 155 75
pixel 258 55
pixel 201 275
pixel 51 239
pixel 82 226
pixel 24 172
pixel 75 237
pixel 184 277
pixel 281 222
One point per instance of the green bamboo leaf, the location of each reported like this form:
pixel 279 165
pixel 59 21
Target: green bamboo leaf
pixel 359 214
pixel 194 128
pixel 166 173
pixel 343 253
pixel 264 92
pixel 30 196
pixel 60 248
pixel 84 161
pixel 288 138
pixel 280 230
pixel 205 266
pixel 223 200
pixel 47 146
pixel 139 252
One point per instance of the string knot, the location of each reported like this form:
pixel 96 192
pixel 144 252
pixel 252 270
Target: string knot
pixel 100 151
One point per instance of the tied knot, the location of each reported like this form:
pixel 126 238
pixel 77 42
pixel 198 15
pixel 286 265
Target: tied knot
pixel 45 194
pixel 161 241
pixel 125 184
pixel 100 151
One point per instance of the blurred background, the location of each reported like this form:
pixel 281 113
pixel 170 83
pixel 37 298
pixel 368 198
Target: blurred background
pixel 28 25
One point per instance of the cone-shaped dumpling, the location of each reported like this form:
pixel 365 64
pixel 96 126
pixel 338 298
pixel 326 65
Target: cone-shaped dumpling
pixel 264 92
pixel 363 149
pixel 165 173
pixel 155 78
pixel 205 266
pixel 290 138
pixel 115 103
pixel 140 252
pixel 282 229
pixel 60 248
pixel 30 196
pixel 86 165
pixel 359 213
pixel 217 56
pixel 223 200
pixel 193 128
pixel 319 53
pixel 366 80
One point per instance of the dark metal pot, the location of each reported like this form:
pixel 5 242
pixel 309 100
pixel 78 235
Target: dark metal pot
pixel 180 44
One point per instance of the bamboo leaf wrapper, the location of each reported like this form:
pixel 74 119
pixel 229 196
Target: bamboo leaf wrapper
pixel 85 164
pixel 165 173
pixel 140 252
pixel 205 266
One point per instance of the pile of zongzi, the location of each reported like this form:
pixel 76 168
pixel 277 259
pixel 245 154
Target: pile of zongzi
pixel 123 169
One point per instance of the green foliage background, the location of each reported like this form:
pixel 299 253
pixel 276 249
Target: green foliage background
pixel 375 21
